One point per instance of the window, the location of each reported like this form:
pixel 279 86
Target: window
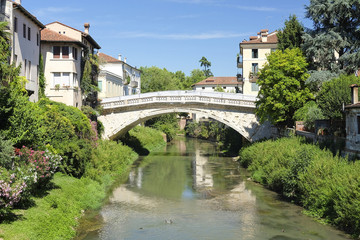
pixel 213 87
pixel 100 85
pixel 358 123
pixel 255 53
pixel 24 30
pixel 61 52
pixel 203 87
pixel 15 24
pixel 65 52
pixel 224 87
pixel 254 87
pixel 25 67
pixel 61 79
pixel 29 33
pixel 37 39
pixel 15 59
pixel 254 67
pixel 75 53
pixel 2 6
pixel 75 81
pixel 56 52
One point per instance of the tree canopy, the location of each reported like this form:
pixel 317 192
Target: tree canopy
pixel 291 35
pixel 282 87
pixel 206 64
pixel 336 32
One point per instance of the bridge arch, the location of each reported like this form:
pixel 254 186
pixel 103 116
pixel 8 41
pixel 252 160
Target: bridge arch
pixel 234 110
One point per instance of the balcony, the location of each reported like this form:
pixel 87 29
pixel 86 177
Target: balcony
pixel 239 77
pixel 134 84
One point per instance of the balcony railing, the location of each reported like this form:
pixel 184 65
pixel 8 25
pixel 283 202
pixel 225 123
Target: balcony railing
pixel 239 62
pixel 134 84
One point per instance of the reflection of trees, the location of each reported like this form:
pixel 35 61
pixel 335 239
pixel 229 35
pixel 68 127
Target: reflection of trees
pixel 167 179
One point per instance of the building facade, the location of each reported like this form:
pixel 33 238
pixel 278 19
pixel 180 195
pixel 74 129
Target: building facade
pixel 25 42
pixel 117 78
pixel 62 48
pixel 353 124
pixel 225 84
pixel 253 57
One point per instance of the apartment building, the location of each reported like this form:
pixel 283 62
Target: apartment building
pixel 62 48
pixel 253 57
pixel 117 77
pixel 25 42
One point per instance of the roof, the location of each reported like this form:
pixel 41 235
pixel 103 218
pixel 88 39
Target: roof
pixel 271 38
pixel 48 35
pixel 86 35
pixel 218 81
pixel 29 15
pixel 108 58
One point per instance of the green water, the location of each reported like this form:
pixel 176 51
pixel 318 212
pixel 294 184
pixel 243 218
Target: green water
pixel 188 191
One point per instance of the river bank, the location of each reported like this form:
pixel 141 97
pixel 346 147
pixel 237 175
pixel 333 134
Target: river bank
pixel 55 213
pixel 326 186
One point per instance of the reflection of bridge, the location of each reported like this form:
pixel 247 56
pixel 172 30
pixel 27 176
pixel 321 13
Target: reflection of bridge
pixel 235 110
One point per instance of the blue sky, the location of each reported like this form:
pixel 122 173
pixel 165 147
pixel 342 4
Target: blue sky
pixel 171 34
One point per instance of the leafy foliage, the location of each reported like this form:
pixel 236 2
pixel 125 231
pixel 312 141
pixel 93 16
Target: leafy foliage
pixel 317 78
pixel 336 25
pixel 206 64
pixel 291 35
pixel 334 94
pixel 309 113
pixel 89 84
pixel 42 79
pixel 282 87
pixel 327 186
pixel 167 123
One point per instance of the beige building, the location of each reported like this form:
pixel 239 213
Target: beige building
pixel 25 42
pixel 253 57
pixel 62 48
pixel 211 84
pixel 117 77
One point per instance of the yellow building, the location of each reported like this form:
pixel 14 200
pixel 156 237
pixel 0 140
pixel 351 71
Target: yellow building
pixel 253 57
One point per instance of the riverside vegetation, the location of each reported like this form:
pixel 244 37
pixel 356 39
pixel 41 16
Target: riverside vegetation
pixel 327 186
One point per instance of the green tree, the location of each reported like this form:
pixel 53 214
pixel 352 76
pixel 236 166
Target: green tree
pixel 196 76
pixel 282 87
pixel 291 35
pixel 334 94
pixel 42 79
pixel 206 64
pixel 154 79
pixel 336 31
pixel 309 113
pixel 219 89
pixel 318 78
pixel 89 83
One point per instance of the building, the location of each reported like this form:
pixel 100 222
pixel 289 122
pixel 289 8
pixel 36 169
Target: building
pixel 212 84
pixel 353 124
pixel 62 48
pixel 253 57
pixel 25 42
pixel 117 77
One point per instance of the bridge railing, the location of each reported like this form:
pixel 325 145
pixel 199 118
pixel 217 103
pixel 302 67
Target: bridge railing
pixel 180 97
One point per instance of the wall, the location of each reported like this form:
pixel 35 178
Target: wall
pixel 111 85
pixel 352 131
pixel 24 49
pixel 211 88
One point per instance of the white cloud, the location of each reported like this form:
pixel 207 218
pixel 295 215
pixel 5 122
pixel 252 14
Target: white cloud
pixel 181 36
pixel 261 9
pixel 52 10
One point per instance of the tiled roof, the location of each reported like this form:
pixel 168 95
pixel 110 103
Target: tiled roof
pixel 108 58
pixel 218 81
pixel 48 35
pixel 86 35
pixel 271 38
pixel 29 15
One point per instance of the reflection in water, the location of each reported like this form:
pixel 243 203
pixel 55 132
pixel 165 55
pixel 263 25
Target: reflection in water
pixel 204 196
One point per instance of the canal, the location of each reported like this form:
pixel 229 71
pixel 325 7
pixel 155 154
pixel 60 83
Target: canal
pixel 188 191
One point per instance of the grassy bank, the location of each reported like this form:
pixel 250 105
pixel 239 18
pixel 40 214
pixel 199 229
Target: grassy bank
pixel 326 186
pixel 55 213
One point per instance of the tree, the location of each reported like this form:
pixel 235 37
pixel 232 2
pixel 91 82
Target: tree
pixel 42 79
pixel 89 83
pixel 154 79
pixel 334 94
pixel 309 113
pixel 282 87
pixel 317 78
pixel 336 31
pixel 196 76
pixel 206 64
pixel 291 35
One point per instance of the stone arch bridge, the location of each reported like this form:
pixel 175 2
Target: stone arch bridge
pixel 234 110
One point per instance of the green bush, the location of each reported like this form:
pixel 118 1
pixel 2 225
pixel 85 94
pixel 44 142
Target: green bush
pixel 327 186
pixel 148 138
pixel 109 159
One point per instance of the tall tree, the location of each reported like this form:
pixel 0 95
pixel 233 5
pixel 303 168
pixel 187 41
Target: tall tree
pixel 336 32
pixel 206 64
pixel 282 87
pixel 42 80
pixel 291 35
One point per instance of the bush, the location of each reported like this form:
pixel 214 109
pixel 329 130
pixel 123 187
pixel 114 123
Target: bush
pixel 148 138
pixel 309 113
pixel 327 186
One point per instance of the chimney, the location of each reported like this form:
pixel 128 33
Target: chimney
pixel 17 1
pixel 124 59
pixel 119 57
pixel 354 93
pixel 86 26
